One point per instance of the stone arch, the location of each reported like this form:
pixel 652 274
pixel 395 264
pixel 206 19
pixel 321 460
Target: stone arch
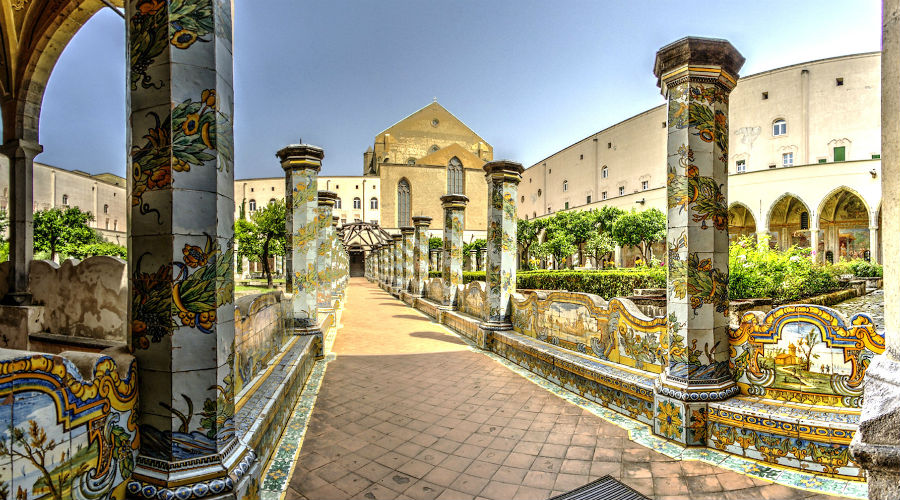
pixel 741 221
pixel 48 27
pixel 783 222
pixel 845 218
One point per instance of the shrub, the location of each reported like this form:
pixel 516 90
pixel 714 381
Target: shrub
pixel 605 283
pixel 859 267
pixel 759 271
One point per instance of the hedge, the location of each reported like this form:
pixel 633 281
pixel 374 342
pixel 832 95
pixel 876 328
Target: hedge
pixel 605 283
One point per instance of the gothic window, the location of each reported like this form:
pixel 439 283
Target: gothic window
pixel 403 203
pixel 455 177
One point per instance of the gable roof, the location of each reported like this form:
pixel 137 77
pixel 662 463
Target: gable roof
pixel 430 110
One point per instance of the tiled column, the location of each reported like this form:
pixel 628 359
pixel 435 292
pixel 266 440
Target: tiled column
pixel 326 252
pixel 502 183
pixel 301 164
pixel 388 264
pixel 181 250
pixel 407 261
pixel 337 245
pixel 696 76
pixel 397 258
pixel 20 154
pixel 876 445
pixel 454 206
pixel 480 259
pixel 420 254
pixel 432 258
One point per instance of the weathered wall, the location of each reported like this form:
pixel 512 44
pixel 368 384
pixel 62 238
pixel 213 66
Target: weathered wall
pixel 259 334
pixel 84 299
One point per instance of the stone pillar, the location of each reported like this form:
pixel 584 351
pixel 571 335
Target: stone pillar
pixel 326 253
pixel 301 164
pixel 502 182
pixel 389 264
pixel 876 445
pixel 397 258
pixel 420 254
pixel 20 153
pixel 406 253
pixel 873 245
pixel 617 256
pixel 432 258
pixel 696 76
pixel 181 253
pixel 814 245
pixel 479 262
pixel 454 206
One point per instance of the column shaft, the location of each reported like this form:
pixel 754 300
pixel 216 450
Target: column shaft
pixel 326 254
pixel 696 75
pixel 454 206
pixel 406 253
pixel 502 182
pixel 420 254
pixel 398 262
pixel 21 155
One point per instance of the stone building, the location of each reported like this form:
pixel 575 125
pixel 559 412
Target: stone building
pixel 804 161
pixel 102 195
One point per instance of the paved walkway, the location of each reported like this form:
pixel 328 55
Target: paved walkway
pixel 407 411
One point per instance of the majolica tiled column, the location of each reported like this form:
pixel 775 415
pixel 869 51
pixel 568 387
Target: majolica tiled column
pixel 454 206
pixel 696 75
pixel 326 252
pixel 502 183
pixel 420 254
pixel 181 242
pixel 398 262
pixel 388 263
pixel 876 445
pixel 301 164
pixel 407 262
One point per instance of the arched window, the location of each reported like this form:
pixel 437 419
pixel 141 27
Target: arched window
pixel 411 161
pixel 357 203
pixel 455 183
pixel 604 173
pixel 252 205
pixel 403 203
pixel 337 203
pixel 65 199
pixel 106 209
pixel 271 201
pixel 539 193
pixel 565 185
pixel 373 203
pixel 804 220
pixel 779 127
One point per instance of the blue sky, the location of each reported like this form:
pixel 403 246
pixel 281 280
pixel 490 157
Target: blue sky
pixel 530 77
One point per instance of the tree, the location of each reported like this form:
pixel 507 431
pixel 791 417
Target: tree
pixel 435 243
pixel 600 246
pixel 263 235
pixel 640 229
pixel 57 230
pixel 527 232
pixel 33 445
pixel 560 245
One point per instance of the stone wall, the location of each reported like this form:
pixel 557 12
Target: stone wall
pixel 259 334
pixel 83 299
pixel 472 299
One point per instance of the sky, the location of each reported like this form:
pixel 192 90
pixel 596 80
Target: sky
pixel 530 77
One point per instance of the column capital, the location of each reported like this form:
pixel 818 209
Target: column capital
pixel 396 238
pixel 407 230
pixel 335 220
pixel 697 59
pixel 504 170
pixel 31 148
pixel 454 201
pixel 421 221
pixel 327 199
pixel 301 156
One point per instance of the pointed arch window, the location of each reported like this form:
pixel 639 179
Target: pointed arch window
pixel 403 203
pixel 455 177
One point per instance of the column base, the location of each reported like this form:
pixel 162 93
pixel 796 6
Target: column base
pixel 876 445
pixel 680 412
pixel 217 476
pixel 487 332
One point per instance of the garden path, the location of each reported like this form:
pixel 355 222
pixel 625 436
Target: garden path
pixel 408 410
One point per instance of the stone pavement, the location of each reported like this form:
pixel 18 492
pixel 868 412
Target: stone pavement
pixel 406 410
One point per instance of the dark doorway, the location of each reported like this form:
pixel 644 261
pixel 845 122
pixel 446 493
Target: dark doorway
pixel 357 263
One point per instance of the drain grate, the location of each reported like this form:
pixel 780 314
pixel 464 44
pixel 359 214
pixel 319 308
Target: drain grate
pixel 605 488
